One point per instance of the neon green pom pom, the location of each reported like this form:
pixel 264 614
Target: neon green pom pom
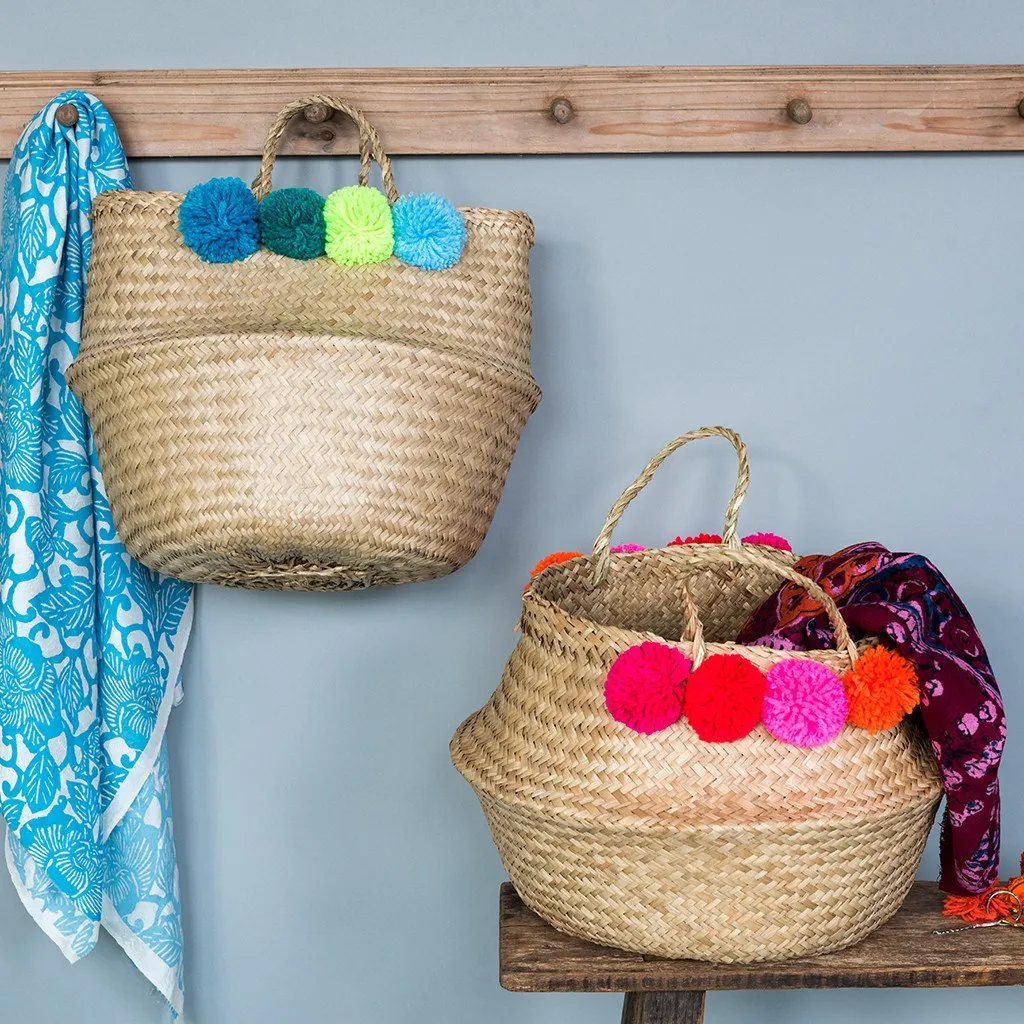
pixel 359 226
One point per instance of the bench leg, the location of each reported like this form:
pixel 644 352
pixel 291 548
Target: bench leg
pixel 663 1008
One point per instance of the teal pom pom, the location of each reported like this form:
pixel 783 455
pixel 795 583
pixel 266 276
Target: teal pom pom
pixel 292 223
pixel 430 233
pixel 218 220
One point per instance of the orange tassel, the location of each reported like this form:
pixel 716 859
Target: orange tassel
pixel 973 908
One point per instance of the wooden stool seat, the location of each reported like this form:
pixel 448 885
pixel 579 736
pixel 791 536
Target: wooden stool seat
pixel 905 953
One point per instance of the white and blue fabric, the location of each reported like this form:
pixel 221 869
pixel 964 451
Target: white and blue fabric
pixel 91 642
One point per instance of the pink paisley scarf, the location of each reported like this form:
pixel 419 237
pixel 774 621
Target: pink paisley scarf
pixel 906 601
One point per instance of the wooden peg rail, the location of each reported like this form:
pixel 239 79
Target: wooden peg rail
pixel 905 953
pixel 553 110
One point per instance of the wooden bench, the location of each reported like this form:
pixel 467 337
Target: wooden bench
pixel 905 953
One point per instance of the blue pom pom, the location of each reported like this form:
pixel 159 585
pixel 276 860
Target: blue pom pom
pixel 218 220
pixel 430 233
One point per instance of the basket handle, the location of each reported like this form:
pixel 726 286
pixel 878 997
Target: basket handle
pixel 705 554
pixel 693 628
pixel 729 533
pixel 370 146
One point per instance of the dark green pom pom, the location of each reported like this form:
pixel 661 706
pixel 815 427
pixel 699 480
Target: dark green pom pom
pixel 292 223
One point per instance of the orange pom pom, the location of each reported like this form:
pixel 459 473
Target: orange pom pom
pixel 881 688
pixel 552 559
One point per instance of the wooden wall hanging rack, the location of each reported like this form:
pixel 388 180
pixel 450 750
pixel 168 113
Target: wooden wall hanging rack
pixel 553 110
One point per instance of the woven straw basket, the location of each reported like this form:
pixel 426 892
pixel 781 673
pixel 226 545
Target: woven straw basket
pixel 285 424
pixel 662 844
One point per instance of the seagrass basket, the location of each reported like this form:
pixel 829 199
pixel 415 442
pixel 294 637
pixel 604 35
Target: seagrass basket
pixel 285 424
pixel 663 844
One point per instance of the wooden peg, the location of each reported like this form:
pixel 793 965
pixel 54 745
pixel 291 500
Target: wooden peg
pixel 799 110
pixel 562 110
pixel 317 113
pixel 67 115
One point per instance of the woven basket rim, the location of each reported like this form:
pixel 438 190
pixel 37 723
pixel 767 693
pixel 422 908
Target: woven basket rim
pixel 534 600
pixel 620 637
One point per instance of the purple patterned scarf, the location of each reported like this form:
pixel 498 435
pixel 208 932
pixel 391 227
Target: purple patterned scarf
pixel 905 600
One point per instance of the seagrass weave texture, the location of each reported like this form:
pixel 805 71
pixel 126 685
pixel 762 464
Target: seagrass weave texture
pixel 286 424
pixel 663 844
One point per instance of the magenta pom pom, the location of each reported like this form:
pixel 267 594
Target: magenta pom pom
pixel 804 703
pixel 623 549
pixel 645 687
pixel 771 540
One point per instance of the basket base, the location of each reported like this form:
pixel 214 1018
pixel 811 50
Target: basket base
pixel 353 573
pixel 286 461
pixel 744 894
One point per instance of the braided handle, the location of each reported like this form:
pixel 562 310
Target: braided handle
pixel 729 533
pixel 370 146
pixel 693 628
pixel 705 554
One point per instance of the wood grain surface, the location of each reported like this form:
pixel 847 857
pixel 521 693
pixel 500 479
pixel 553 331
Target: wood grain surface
pixel 905 953
pixel 663 1008
pixel 552 110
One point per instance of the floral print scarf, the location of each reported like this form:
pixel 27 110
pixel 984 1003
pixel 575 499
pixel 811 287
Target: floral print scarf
pixel 91 642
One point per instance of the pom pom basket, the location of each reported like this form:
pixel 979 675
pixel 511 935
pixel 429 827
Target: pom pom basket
pixel 299 425
pixel 733 852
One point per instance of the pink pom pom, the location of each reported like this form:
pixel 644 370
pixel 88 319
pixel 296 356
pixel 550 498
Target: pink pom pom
pixel 804 703
pixel 771 540
pixel 645 687
pixel 622 549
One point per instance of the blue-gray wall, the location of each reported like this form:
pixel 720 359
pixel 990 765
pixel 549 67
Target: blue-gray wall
pixel 858 318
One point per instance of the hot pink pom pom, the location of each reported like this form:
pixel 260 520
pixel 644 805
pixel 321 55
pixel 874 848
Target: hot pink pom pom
pixel 771 540
pixel 804 703
pixel 622 549
pixel 645 687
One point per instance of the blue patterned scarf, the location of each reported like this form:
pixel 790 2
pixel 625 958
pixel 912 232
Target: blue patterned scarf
pixel 91 642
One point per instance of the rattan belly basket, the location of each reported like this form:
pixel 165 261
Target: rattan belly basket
pixel 296 424
pixel 747 851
